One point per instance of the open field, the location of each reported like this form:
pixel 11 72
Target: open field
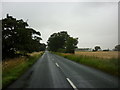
pixel 104 61
pixel 14 68
pixel 100 54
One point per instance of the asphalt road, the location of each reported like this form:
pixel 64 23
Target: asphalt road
pixel 53 71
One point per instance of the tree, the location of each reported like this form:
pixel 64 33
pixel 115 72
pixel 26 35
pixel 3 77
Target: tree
pixel 71 44
pixel 97 48
pixel 117 47
pixel 16 36
pixel 57 41
pixel 43 47
pixel 62 42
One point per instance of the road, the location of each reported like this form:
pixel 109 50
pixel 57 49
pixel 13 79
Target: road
pixel 53 71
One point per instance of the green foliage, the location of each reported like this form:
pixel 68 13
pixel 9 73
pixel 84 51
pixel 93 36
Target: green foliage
pixel 10 75
pixel 61 50
pixel 97 48
pixel 71 44
pixel 16 36
pixel 62 42
pixel 57 41
pixel 117 47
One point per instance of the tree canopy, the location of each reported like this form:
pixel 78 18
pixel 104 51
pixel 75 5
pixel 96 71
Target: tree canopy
pixel 117 47
pixel 97 48
pixel 16 36
pixel 62 42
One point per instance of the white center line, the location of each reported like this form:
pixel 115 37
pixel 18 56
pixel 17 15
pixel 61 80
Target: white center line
pixel 71 83
pixel 57 65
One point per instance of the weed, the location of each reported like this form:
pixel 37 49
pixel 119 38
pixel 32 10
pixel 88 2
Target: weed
pixel 13 69
pixel 109 65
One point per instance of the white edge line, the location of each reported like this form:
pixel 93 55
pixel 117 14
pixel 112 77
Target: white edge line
pixel 57 65
pixel 71 83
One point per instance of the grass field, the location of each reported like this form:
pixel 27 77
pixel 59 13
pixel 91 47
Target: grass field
pixel 104 61
pixel 14 68
pixel 100 54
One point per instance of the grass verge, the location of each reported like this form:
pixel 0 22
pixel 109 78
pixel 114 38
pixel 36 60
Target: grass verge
pixel 111 66
pixel 16 68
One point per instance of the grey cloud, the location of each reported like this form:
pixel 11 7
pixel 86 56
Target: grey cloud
pixel 92 22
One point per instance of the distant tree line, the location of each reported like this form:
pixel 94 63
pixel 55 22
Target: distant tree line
pixel 17 37
pixel 116 48
pixel 62 42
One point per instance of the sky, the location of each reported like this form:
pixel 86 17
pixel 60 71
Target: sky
pixel 94 23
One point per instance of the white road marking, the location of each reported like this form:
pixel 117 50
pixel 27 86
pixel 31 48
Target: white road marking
pixel 71 83
pixel 57 65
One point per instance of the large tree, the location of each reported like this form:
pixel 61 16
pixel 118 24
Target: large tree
pixel 16 36
pixel 62 42
pixel 97 48
pixel 117 47
pixel 71 44
pixel 57 41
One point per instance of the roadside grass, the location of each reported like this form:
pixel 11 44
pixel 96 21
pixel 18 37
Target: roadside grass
pixel 12 69
pixel 111 66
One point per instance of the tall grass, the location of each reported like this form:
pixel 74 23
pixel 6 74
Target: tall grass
pixel 16 68
pixel 110 66
pixel 99 54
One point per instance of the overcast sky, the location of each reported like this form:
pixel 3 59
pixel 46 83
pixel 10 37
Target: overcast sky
pixel 94 23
